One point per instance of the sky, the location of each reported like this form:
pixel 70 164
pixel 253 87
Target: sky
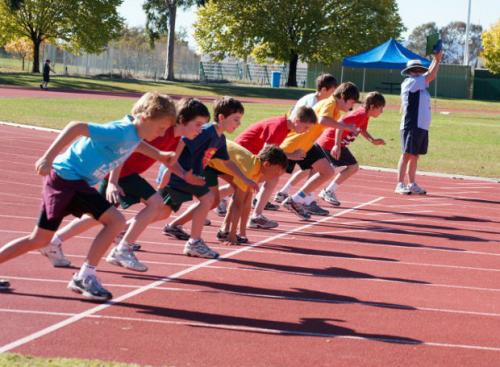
pixel 412 12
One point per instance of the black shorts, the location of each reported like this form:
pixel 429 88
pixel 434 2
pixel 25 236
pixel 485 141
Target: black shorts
pixel 414 141
pixel 93 204
pixel 174 197
pixel 211 176
pixel 346 158
pixel 312 156
pixel 135 188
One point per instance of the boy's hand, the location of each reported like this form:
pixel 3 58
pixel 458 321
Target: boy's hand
pixel 232 240
pixel 113 193
pixel 43 166
pixel 193 179
pixel 297 155
pixel 378 142
pixel 167 158
pixel 335 152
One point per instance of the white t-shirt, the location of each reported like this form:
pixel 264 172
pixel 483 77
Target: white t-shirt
pixel 416 103
pixel 309 100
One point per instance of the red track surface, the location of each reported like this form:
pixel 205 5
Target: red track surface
pixel 386 281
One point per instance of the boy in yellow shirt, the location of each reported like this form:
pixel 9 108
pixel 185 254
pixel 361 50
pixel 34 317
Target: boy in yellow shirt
pixel 328 112
pixel 270 162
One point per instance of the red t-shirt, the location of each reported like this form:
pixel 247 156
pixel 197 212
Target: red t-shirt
pixel 138 163
pixel 358 118
pixel 270 131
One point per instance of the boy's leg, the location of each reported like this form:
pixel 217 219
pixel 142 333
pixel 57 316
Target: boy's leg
pixel 245 213
pixel 258 220
pixel 412 167
pixel 39 238
pixel 297 177
pixel 403 163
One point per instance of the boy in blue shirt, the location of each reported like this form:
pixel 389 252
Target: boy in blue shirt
pixel 69 177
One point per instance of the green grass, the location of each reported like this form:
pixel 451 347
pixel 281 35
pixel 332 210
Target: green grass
pixel 17 360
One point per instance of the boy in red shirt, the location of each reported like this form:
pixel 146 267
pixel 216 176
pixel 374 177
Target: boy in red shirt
pixel 335 142
pixel 273 131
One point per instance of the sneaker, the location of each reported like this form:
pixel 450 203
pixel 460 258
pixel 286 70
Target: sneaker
pixel 297 208
pixel 207 222
pixel 280 197
pixel 222 236
pixel 133 246
pixel 55 255
pixel 199 249
pixel 221 209
pixel 262 222
pixel 125 258
pixel 4 285
pixel 90 287
pixel 315 209
pixel 415 189
pixel 402 189
pixel 329 196
pixel 269 206
pixel 176 231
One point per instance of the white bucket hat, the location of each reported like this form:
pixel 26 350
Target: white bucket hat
pixel 413 65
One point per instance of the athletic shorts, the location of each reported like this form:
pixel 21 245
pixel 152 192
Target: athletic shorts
pixel 312 156
pixel 174 197
pixel 135 188
pixel 346 158
pixel 414 141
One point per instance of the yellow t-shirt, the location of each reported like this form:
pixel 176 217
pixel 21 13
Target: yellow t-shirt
pixel 305 141
pixel 248 163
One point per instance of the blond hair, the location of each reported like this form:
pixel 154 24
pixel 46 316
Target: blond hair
pixel 153 105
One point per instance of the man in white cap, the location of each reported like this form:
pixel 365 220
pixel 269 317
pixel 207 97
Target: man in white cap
pixel 415 120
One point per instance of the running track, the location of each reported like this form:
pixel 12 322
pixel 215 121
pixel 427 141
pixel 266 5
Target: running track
pixel 385 281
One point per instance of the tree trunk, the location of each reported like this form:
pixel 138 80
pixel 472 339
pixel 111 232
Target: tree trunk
pixel 23 62
pixel 292 70
pixel 169 66
pixel 36 54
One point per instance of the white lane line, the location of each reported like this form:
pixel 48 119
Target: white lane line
pixel 91 311
pixel 405 341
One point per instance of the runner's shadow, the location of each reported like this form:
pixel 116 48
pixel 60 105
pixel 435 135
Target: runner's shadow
pixel 452 218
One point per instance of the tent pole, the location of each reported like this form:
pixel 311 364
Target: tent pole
pixel 342 74
pixel 364 78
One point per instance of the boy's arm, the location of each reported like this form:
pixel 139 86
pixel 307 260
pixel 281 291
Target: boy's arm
pixel 337 147
pixel 167 158
pixel 113 190
pixel 433 69
pixel 329 122
pixel 371 139
pixel 230 165
pixel 72 131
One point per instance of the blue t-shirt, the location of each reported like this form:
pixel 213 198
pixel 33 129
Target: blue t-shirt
pixel 416 103
pixel 198 151
pixel 92 158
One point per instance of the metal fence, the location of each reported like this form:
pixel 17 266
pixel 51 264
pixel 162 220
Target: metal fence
pixel 486 85
pixel 247 73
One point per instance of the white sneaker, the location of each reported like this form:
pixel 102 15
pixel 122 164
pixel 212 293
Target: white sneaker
pixel 55 255
pixel 402 189
pixel 261 221
pixel 126 259
pixel 329 196
pixel 415 189
pixel 199 249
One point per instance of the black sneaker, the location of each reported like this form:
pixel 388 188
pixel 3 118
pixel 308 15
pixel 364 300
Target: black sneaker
pixel 4 285
pixel 176 231
pixel 222 236
pixel 90 287
pixel 297 208
pixel 268 206
pixel 315 209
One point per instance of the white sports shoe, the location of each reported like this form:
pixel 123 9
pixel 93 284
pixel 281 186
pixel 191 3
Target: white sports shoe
pixel 402 189
pixel 415 189
pixel 126 259
pixel 55 255
pixel 329 196
pixel 199 249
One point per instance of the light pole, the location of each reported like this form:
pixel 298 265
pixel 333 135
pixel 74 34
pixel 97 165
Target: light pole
pixel 467 31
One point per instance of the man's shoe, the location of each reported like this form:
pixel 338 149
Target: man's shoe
pixel 297 208
pixel 55 255
pixel 261 221
pixel 315 209
pixel 199 249
pixel 402 189
pixel 176 231
pixel 90 287
pixel 415 189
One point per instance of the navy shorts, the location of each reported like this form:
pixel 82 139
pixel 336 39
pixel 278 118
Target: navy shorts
pixel 346 158
pixel 414 141
pixel 312 156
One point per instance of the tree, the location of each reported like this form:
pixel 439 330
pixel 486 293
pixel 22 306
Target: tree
pixel 491 48
pixel 22 47
pixel 417 40
pixel 80 25
pixel 453 36
pixel 160 20
pixel 289 30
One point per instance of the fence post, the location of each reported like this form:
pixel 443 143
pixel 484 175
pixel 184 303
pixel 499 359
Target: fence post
pixel 203 76
pixel 219 71
pixel 266 75
pixel 249 74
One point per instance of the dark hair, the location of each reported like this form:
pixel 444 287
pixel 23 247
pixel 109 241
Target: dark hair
pixel 326 81
pixel 306 114
pixel 227 106
pixel 274 155
pixel 374 100
pixel 190 108
pixel 347 91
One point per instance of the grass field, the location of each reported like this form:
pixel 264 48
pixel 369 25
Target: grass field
pixel 17 360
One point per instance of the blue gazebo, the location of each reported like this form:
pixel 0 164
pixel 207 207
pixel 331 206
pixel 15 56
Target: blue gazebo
pixel 388 55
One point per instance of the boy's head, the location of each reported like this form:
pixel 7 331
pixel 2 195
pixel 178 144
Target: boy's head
pixel 346 95
pixel 274 161
pixel 47 61
pixel 191 115
pixel 153 113
pixel 374 104
pixel 228 113
pixel 304 119
pixel 325 85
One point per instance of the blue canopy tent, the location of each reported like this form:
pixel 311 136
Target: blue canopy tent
pixel 388 55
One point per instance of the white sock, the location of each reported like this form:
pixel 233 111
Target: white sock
pixel 309 199
pixel 56 240
pixel 299 197
pixel 286 189
pixel 86 270
pixel 192 240
pixel 124 246
pixel 332 187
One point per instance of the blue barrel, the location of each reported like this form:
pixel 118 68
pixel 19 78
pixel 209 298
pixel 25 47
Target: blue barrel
pixel 275 79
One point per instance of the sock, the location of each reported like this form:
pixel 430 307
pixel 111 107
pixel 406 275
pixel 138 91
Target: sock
pixel 124 246
pixel 309 199
pixel 56 240
pixel 299 197
pixel 286 189
pixel 192 240
pixel 86 270
pixel 332 187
